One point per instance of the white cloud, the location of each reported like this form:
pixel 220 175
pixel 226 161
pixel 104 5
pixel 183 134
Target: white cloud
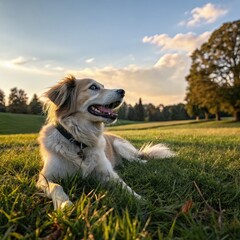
pixel 180 42
pixel 31 65
pixel 165 81
pixel 168 60
pixel 53 68
pixel 22 60
pixel 24 64
pixel 60 69
pixel 209 13
pixel 47 65
pixel 162 83
pixel 90 60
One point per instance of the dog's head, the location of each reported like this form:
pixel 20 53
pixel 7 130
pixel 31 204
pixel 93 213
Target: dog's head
pixel 85 96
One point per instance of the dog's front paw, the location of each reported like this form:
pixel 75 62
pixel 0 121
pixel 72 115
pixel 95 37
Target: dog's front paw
pixel 58 205
pixel 66 204
pixel 137 196
pixel 143 161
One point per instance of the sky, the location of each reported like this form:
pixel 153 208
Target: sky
pixel 141 46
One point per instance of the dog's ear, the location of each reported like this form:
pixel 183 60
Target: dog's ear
pixel 61 93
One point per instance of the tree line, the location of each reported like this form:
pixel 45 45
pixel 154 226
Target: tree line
pixel 150 112
pixel 18 102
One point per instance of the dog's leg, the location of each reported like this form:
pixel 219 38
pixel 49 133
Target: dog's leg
pixel 113 176
pixel 106 173
pixel 53 191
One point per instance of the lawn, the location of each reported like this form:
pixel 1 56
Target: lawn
pixel 195 195
pixel 20 123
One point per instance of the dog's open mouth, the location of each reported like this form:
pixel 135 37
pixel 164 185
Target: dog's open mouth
pixel 106 111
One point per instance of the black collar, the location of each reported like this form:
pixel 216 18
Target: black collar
pixel 70 138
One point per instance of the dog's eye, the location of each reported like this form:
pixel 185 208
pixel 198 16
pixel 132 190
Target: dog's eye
pixel 94 87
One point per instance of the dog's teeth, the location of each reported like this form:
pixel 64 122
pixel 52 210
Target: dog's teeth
pixel 95 109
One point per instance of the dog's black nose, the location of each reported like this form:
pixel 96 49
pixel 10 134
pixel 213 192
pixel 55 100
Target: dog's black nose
pixel 121 92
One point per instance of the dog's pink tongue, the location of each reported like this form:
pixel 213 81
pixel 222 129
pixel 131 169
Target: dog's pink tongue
pixel 105 110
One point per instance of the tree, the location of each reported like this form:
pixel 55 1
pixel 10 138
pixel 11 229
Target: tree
pixel 203 95
pixel 35 106
pixel 130 113
pixel 139 111
pixel 123 111
pixel 214 78
pixel 17 101
pixel 152 112
pixel 2 101
pixel 179 112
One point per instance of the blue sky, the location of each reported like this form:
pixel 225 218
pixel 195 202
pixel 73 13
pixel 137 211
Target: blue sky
pixel 141 46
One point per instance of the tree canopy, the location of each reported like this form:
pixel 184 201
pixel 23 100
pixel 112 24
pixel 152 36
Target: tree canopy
pixel 35 106
pixel 214 78
pixel 17 101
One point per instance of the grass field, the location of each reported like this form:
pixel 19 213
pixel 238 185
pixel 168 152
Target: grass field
pixel 20 123
pixel 195 195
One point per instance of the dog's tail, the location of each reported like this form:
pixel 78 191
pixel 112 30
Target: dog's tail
pixel 150 151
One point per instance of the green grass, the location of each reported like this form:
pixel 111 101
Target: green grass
pixel 204 179
pixel 20 123
pixel 148 125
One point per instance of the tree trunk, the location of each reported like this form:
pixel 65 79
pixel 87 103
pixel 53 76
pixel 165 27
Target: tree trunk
pixel 197 118
pixel 206 116
pixel 237 115
pixel 218 117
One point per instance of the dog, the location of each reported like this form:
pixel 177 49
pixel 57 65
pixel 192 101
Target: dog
pixel 73 138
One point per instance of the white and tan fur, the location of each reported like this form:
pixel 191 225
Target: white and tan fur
pixel 67 103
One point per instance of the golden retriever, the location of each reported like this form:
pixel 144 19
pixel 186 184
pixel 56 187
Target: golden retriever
pixel 73 138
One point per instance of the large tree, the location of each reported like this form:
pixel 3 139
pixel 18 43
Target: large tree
pixel 17 101
pixel 214 78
